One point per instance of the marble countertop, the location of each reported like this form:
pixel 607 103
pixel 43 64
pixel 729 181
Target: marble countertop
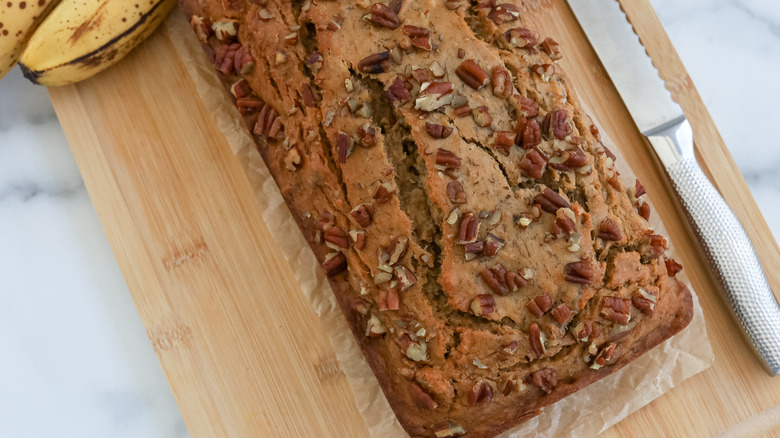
pixel 76 361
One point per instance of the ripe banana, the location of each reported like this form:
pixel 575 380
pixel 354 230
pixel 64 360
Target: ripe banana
pixel 18 20
pixel 83 37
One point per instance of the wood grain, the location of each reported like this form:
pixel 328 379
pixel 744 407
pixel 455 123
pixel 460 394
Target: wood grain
pixel 239 343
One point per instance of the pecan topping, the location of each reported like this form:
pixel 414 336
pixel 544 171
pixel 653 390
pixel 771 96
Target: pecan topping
pixel 422 399
pixel 481 115
pixel 226 29
pixel 643 209
pixel 614 181
pixel 243 62
pixel 415 31
pixel 550 47
pixel 472 74
pixel 545 379
pixel 561 313
pixel 504 13
pixel 639 189
pixel 501 81
pixel 493 244
pixel 539 305
pixel 293 159
pixel 483 304
pixel 556 122
pixel 201 28
pixel 571 159
pixel 240 89
pixel 654 248
pixel 544 70
pixel 384 16
pixel 536 337
pixel 363 214
pixel 405 276
pixel 225 58
pixel 422 42
pixel 315 62
pixel 481 394
pixel 335 263
pixel 583 331
pixel 550 200
pixel 416 350
pixel 520 37
pixel 398 93
pixel 438 131
pixel 361 305
pixel 307 94
pixel 579 272
pixel 384 192
pixel 268 124
pixel 247 105
pixel 501 281
pixel 397 249
pixel 469 228
pixel 358 238
pixel 609 153
pixel 423 75
pixel 374 64
pixel 504 141
pixel 528 107
pixel 532 134
pixel 374 327
pixel 325 220
pixel 564 222
pixel 335 23
pixel 610 230
pixel 616 309
pixel 448 429
pixel 645 301
pixel 434 95
pixel 606 354
pixel 456 193
pixel 672 267
pixel 532 164
pixel 336 236
pixel 447 160
pixel 388 298
pixel 345 146
pixel 366 136
pixel 473 248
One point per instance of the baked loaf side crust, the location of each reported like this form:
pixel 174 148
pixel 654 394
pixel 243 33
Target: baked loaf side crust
pixel 475 232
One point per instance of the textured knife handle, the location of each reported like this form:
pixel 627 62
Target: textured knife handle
pixel 732 258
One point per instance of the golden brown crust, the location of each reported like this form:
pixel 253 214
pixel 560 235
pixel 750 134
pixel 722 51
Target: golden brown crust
pixel 475 232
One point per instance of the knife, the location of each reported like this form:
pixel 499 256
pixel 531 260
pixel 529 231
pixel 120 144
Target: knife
pixel 661 120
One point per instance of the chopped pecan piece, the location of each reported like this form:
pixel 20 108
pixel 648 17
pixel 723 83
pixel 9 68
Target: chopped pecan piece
pixel 502 282
pixel 532 164
pixel 397 249
pixel 358 238
pixel 243 62
pixel 405 276
pixel 422 399
pixel 387 299
pixel 345 146
pixel 539 305
pixel 201 27
pixel 564 222
pixel 481 394
pixel 583 331
pixel 438 131
pixel 483 304
pixel 616 309
pixel 501 80
pixel 572 159
pixel 606 354
pixel 383 193
pixel 643 209
pixel 225 29
pixel 366 135
pixel 645 301
pixel 376 63
pixel 672 267
pixel 374 327
pixel 561 313
pixel 609 153
pixel 336 236
pixel 610 230
pixel 398 93
pixel 422 42
pixel 268 124
pixel 225 58
pixel 579 272
pixel 456 193
pixel 473 249
pixel 503 141
pixel 551 48
pixel 384 16
pixel 481 115
pixel 545 379
pixel 546 71
pixel 469 229
pixel 472 74
pixel 520 37
pixel 415 31
pixel 423 75
pixel 335 23
pixel 416 350
pixel 532 134
pixel 537 339
pixel 550 200
pixel 448 429
pixel 556 123
pixel 504 13
pixel 433 95
pixel 315 62
pixel 447 159
pixel 307 94
pixel 528 107
pixel 334 263
pixel 639 189
pixel 361 305
pixel 654 248
pixel 493 244
pixel 240 89
pixel 363 214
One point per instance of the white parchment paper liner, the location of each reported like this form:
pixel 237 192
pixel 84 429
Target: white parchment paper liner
pixel 585 413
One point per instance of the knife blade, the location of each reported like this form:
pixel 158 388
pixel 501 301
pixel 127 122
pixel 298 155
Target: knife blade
pixel 660 119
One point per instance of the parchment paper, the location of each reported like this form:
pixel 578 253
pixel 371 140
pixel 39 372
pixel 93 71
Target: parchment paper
pixel 583 414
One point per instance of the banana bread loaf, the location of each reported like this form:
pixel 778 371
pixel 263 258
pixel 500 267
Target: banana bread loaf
pixel 486 253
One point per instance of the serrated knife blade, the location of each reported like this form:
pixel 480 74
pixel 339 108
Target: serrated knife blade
pixel 660 119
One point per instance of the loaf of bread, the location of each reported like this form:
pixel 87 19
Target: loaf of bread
pixel 486 253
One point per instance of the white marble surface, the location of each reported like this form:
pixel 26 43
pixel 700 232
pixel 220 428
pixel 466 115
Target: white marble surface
pixel 74 357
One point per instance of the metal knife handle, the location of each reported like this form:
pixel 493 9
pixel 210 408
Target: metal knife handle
pixel 726 245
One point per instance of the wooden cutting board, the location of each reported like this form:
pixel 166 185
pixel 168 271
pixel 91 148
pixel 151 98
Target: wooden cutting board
pixel 244 353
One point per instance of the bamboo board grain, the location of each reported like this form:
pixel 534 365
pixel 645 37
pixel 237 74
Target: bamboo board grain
pixel 244 353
